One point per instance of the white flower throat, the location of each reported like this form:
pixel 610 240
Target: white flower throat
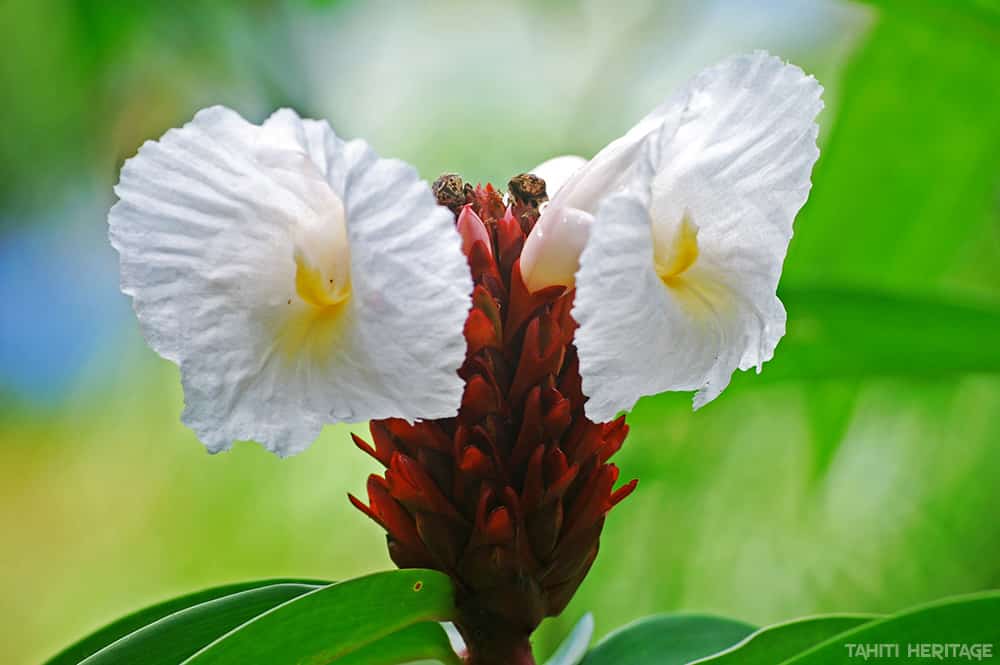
pixel 322 257
pixel 675 249
pixel 313 327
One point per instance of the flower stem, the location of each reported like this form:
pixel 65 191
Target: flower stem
pixel 495 643
pixel 506 653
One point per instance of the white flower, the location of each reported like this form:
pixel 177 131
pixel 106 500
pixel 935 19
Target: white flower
pixel 689 217
pixel 297 279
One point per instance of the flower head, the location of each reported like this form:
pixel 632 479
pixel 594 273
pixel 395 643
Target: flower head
pixel 674 235
pixel 509 497
pixel 297 279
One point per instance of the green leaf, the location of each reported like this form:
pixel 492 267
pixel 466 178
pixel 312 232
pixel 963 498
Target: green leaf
pixel 120 628
pixel 971 619
pixel 836 333
pixel 173 638
pixel 332 623
pixel 773 644
pixel 574 647
pixel 905 187
pixel 668 639
pixel 424 641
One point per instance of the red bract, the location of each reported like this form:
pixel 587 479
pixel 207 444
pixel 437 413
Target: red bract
pixel 509 497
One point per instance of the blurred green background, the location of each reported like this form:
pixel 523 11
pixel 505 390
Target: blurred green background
pixel 859 472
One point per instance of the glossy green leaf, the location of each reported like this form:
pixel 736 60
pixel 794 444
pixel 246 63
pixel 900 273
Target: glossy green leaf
pixel 669 639
pixel 332 623
pixel 773 644
pixel 968 620
pixel 574 647
pixel 175 637
pixel 426 642
pixel 121 627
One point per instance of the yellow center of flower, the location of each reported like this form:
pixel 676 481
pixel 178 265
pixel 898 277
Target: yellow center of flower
pixel 312 327
pixel 674 258
pixel 317 289
pixel 312 330
pixel 322 255
pixel 699 291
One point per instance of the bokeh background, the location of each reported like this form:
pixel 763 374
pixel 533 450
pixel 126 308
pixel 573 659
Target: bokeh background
pixel 859 472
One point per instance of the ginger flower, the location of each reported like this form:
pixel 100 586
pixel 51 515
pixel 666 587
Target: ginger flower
pixel 491 340
pixel 509 497
pixel 674 234
pixel 296 279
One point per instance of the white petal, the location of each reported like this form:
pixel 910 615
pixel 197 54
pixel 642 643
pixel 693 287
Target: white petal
pixel 633 338
pixel 556 171
pixel 551 254
pixel 732 158
pixel 211 222
pixel 414 289
pixel 581 188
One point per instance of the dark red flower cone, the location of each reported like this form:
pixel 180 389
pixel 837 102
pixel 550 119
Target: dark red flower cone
pixel 509 497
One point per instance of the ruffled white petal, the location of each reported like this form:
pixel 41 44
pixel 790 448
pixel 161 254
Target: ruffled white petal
pixel 556 171
pixel 413 290
pixel 561 230
pixel 730 169
pixel 217 223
